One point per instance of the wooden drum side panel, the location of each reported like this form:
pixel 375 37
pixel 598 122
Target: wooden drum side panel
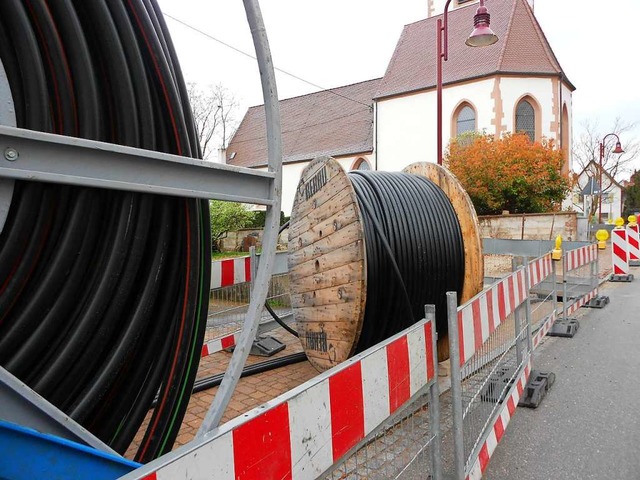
pixel 327 264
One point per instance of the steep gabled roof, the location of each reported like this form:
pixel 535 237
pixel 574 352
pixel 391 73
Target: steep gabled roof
pixel 328 122
pixel 594 168
pixel 522 48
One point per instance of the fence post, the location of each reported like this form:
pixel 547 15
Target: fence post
pixel 595 271
pixel 434 399
pixel 456 386
pixel 253 266
pixel 564 287
pixel 527 308
pixel 516 320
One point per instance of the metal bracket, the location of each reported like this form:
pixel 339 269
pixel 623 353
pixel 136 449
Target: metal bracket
pixel 564 328
pixel 537 387
pixel 628 277
pixel 634 263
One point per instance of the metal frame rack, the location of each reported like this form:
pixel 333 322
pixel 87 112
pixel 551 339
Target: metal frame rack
pixel 36 156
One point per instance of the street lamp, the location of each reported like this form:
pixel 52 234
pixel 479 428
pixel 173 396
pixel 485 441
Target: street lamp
pixel 481 36
pixel 618 149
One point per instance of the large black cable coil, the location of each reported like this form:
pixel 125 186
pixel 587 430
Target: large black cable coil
pixel 414 250
pixel 103 294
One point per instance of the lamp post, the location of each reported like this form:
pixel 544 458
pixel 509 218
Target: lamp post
pixel 618 149
pixel 481 36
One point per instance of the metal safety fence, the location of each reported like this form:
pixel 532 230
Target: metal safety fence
pixel 543 296
pixel 230 295
pixel 490 345
pixel 326 426
pixel 579 278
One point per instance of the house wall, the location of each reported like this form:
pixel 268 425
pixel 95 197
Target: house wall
pixel 406 125
pixel 291 176
pixel 611 202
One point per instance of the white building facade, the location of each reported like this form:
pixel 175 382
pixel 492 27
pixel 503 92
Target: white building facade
pixel 514 85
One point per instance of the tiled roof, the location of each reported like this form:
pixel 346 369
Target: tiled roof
pixel 323 123
pixel 521 48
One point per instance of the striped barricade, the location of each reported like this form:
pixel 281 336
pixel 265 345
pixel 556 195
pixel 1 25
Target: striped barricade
pixel 230 296
pixel 220 343
pixel 304 433
pixel 579 278
pixel 633 237
pixel 490 345
pixel 496 430
pixel 543 301
pixel 620 254
pixel 231 271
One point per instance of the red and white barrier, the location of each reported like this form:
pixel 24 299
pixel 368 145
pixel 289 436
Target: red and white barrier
pixel 220 343
pixel 539 269
pixel 633 238
pixel 479 318
pixel 543 330
pixel 230 272
pixel 582 301
pixel 620 253
pixel 499 427
pixel 581 256
pixel 304 432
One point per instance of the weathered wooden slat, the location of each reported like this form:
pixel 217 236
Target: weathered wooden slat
pixel 327 264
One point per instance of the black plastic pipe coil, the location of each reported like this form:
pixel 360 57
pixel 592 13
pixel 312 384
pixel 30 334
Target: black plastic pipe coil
pixel 414 250
pixel 103 294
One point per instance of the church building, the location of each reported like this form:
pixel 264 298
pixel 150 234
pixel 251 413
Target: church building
pixel 517 84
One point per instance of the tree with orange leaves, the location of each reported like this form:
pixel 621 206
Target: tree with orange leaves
pixel 509 173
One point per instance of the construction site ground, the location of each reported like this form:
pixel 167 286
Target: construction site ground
pixel 588 426
pixel 255 390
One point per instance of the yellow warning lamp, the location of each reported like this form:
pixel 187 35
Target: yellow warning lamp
pixel 602 236
pixel 556 254
pixel 632 220
pixel 619 222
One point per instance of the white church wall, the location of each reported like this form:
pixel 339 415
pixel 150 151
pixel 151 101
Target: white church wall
pixel 540 89
pixel 407 125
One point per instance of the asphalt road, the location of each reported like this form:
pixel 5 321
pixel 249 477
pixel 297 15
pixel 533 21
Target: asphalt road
pixel 588 426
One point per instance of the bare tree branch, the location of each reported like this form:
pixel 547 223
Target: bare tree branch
pixel 587 150
pixel 214 112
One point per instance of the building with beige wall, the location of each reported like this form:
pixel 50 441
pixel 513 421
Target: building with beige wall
pixel 516 84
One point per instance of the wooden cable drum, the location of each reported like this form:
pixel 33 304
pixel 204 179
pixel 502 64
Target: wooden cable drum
pixel 341 234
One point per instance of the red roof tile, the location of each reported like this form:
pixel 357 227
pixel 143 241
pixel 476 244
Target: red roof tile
pixel 322 123
pixel 521 48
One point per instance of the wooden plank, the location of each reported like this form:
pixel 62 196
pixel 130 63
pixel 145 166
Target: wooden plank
pixel 337 276
pixel 345 216
pixel 344 293
pixel 334 259
pixel 318 215
pixel 327 263
pixel 328 243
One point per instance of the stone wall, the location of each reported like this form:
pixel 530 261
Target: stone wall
pixel 530 226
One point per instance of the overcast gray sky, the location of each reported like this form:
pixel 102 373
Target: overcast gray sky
pixel 336 42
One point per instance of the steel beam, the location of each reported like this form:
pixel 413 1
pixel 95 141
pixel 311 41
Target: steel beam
pixel 44 157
